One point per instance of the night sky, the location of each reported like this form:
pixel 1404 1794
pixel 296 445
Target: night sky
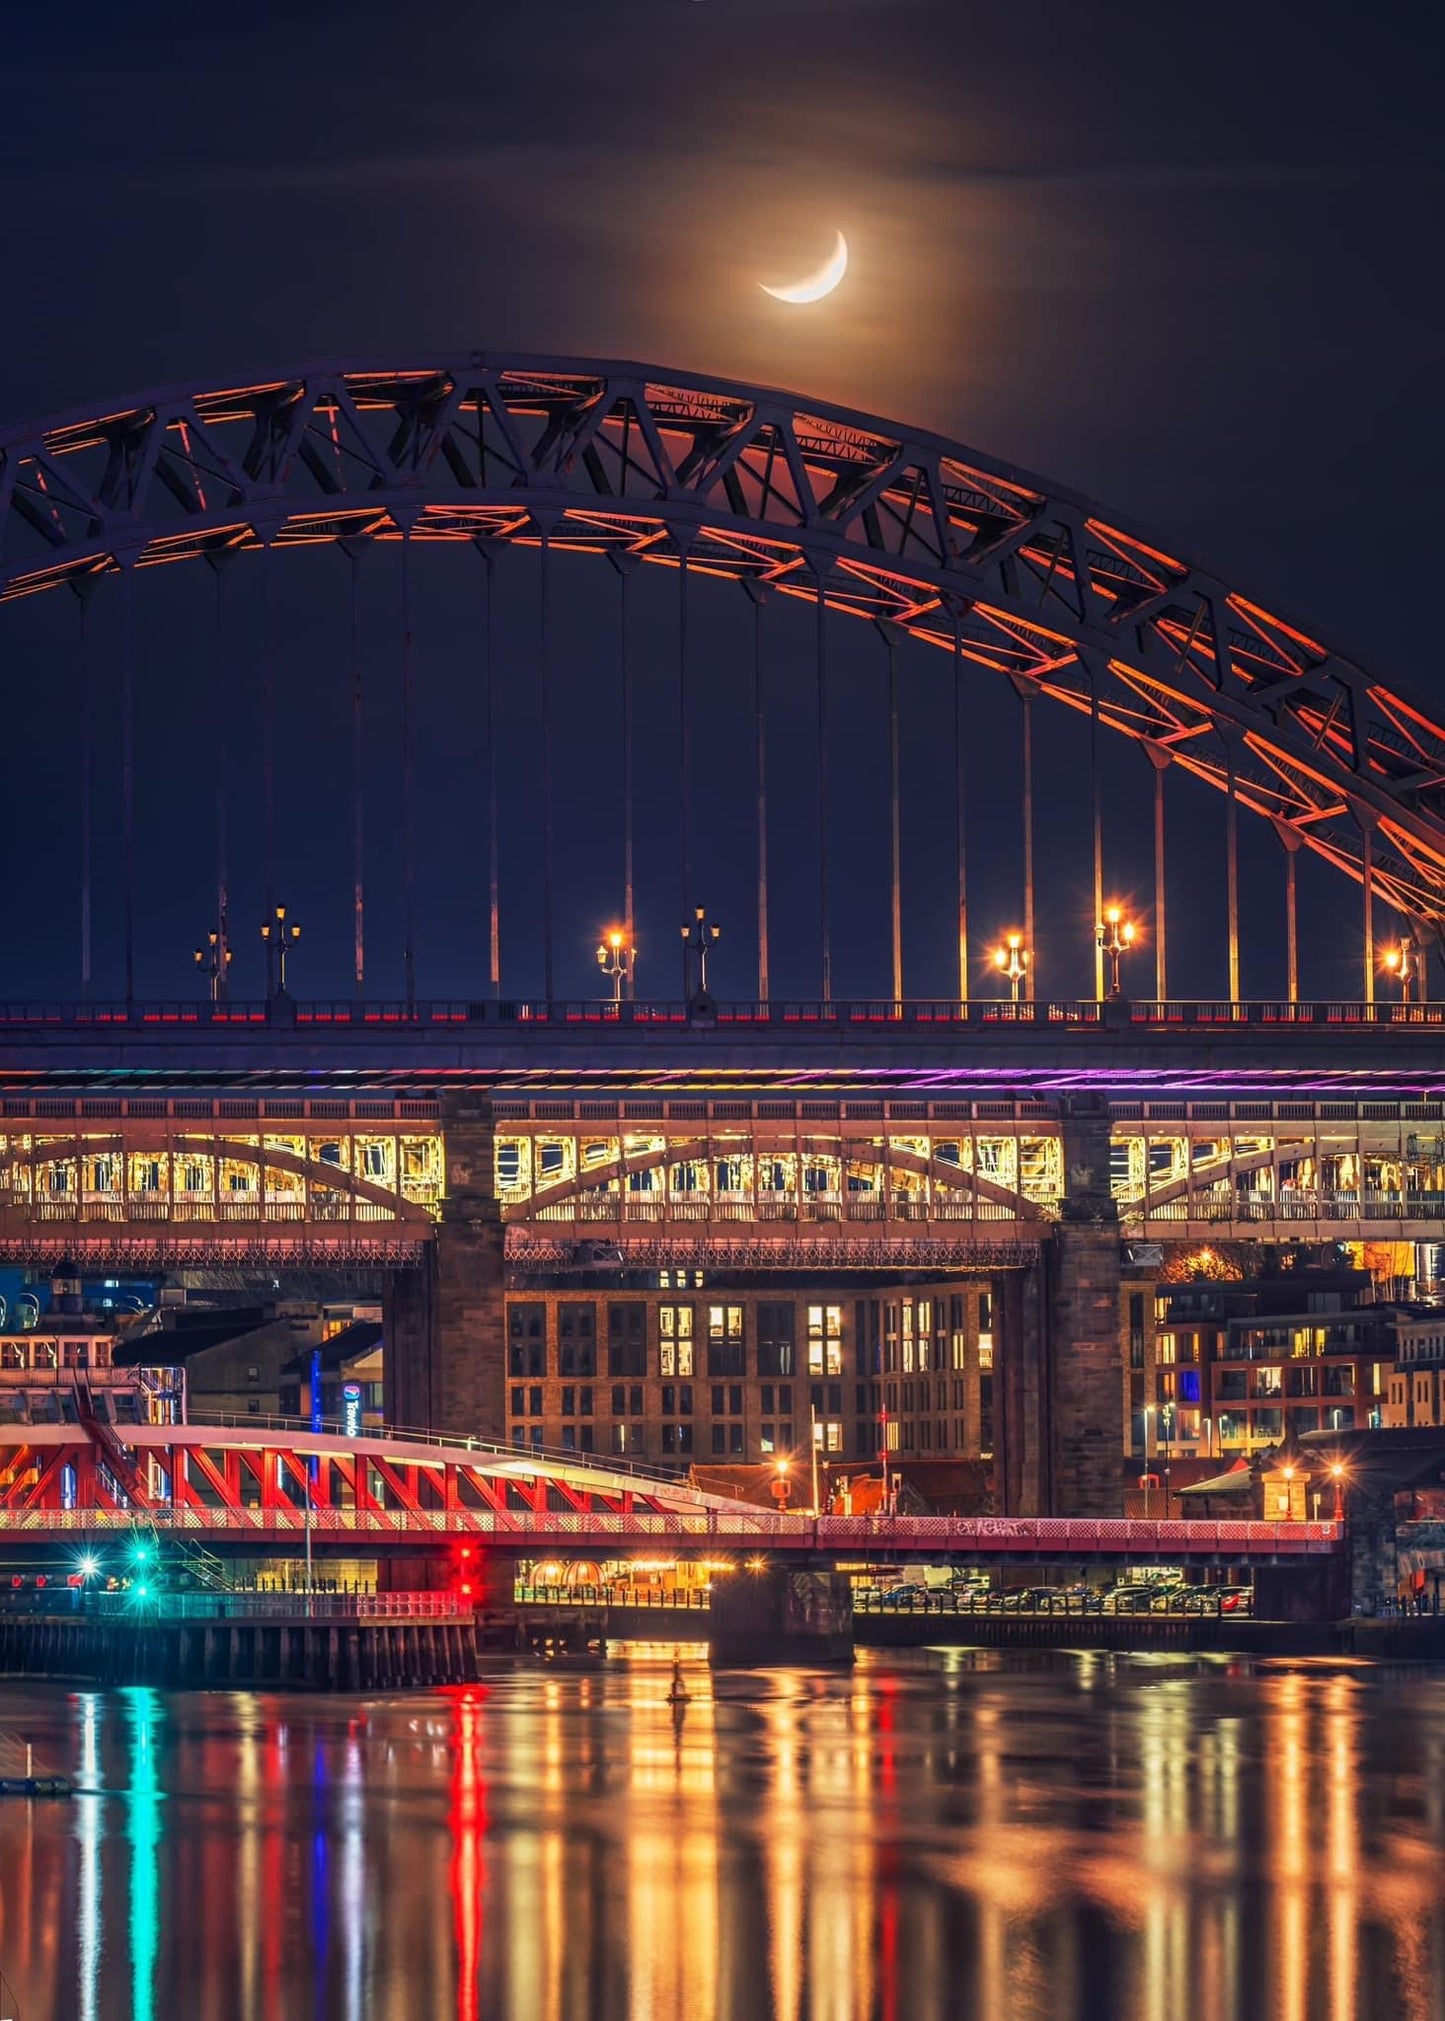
pixel 1180 259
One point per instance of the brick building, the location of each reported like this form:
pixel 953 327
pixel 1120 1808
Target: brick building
pixel 1223 1368
pixel 692 1370
pixel 1415 1383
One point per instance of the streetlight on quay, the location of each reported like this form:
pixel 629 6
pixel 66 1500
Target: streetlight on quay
pixel 1116 936
pixel 615 957
pixel 1012 961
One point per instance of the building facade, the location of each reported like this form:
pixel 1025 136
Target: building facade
pixel 1221 1368
pixel 704 1371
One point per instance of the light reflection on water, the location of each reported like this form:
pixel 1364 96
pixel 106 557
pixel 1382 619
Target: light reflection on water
pixel 970 1833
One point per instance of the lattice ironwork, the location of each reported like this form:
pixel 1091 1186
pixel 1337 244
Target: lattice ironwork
pixel 883 522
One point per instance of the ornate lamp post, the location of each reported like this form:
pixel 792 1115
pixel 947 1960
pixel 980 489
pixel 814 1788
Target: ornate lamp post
pixel 1012 961
pixel 213 960
pixel 1116 937
pixel 282 934
pixel 615 956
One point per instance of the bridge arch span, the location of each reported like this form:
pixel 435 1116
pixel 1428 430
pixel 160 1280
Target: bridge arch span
pixel 864 516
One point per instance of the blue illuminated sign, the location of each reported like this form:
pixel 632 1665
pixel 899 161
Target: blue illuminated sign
pixel 351 1408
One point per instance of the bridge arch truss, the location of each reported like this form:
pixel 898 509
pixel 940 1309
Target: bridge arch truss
pixel 857 514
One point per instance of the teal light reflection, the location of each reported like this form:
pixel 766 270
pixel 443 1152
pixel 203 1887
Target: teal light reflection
pixel 88 1803
pixel 143 1835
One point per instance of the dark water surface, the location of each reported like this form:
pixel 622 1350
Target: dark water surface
pixel 953 1834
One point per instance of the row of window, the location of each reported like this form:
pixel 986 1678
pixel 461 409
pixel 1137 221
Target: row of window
pixel 628 1439
pixel 895 1336
pixel 676 1399
pixel 43 1354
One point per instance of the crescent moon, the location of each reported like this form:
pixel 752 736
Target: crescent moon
pixel 815 286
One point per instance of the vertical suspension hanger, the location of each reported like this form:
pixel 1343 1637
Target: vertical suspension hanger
pixel 408 773
pixel 683 540
pixel 1026 690
pixel 1289 838
pixel 127 771
pixel 1365 821
pixel 354 550
pixel 960 807
pixel 626 564
pixel 821 656
pixel 84 588
pixel 757 593
pixel 1231 855
pixel 544 687
pixel 1096 796
pixel 489 732
pixel 268 756
pixel 890 635
pixel 1160 760
pixel 219 559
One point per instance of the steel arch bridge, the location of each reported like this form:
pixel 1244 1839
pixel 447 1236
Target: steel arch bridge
pixel 857 514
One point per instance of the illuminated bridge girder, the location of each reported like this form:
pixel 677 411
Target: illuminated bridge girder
pixel 1013 574
pixel 754 1182
pixel 262 1492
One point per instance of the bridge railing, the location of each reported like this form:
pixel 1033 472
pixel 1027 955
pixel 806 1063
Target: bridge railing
pixel 744 1528
pixel 781 1014
pixel 244 1606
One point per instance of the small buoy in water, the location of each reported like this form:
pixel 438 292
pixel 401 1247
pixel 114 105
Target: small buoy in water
pixel 678 1694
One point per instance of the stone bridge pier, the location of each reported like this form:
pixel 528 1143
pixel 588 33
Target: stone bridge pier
pixel 1059 1366
pixel 445 1322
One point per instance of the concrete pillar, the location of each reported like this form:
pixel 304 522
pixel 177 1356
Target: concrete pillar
pixel 780 1615
pixel 446 1320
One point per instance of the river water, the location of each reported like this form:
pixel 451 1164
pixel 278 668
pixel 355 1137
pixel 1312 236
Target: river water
pixel 952 1833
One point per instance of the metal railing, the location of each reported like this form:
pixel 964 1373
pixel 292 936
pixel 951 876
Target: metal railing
pixel 786 1014
pixel 520 1459
pixel 281 1606
pixel 1213 1602
pixel 686 1599
pixel 1038 1537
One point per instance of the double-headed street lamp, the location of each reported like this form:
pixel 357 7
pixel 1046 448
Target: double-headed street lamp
pixel 615 957
pixel 1116 937
pixel 1012 961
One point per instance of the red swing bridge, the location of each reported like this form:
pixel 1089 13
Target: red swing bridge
pixel 266 1491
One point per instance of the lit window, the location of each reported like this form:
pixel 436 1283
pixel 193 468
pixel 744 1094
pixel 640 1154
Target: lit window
pixel 825 1340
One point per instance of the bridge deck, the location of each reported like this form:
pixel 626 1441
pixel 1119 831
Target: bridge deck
pixel 269 1489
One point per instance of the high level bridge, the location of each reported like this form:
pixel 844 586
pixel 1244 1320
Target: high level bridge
pixel 900 1121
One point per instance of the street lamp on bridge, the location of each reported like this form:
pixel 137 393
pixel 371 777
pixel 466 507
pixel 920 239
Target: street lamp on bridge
pixel 1012 961
pixel 1116 937
pixel 698 941
pixel 282 934
pixel 1400 962
pixel 214 959
pixel 615 956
